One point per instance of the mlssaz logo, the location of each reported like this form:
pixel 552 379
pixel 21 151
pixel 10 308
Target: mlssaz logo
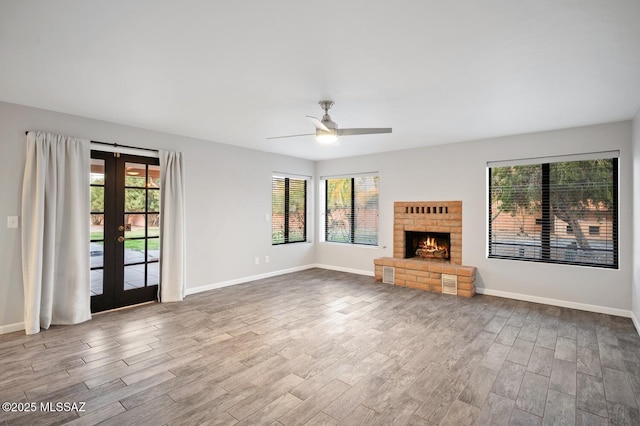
pixel 63 407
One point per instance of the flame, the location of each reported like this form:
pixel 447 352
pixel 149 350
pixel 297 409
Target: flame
pixel 431 243
pixel 429 247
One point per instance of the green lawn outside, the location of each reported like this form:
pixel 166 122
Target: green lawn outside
pixel 131 244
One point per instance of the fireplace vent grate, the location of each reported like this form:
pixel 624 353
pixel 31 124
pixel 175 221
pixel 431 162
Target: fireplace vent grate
pixel 450 284
pixel 388 275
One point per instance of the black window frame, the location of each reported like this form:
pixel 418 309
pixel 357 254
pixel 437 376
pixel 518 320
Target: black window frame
pixel 287 223
pixel 547 218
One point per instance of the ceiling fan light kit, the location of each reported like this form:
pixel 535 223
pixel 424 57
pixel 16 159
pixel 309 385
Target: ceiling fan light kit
pixel 327 130
pixel 326 138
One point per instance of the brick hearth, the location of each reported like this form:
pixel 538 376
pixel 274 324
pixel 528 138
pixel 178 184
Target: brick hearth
pixel 424 274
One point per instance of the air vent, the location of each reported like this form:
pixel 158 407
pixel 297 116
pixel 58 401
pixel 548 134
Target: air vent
pixel 450 284
pixel 388 275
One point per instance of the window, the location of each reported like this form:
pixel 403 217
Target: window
pixel 288 210
pixel 556 211
pixel 352 210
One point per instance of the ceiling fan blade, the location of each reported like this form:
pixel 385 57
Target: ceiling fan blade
pixel 364 131
pixel 319 124
pixel 291 136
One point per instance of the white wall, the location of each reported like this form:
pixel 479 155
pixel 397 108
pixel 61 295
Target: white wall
pixel 458 172
pixel 635 289
pixel 228 198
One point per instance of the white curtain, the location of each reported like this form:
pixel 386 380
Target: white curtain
pixel 55 231
pixel 172 227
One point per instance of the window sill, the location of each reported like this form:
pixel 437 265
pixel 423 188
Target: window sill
pixel 557 262
pixel 291 244
pixel 365 246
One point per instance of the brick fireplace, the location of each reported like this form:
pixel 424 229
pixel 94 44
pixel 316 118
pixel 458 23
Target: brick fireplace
pixel 427 243
pixel 428 217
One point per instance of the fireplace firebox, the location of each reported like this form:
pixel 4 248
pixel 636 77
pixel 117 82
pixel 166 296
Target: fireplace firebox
pixel 427 245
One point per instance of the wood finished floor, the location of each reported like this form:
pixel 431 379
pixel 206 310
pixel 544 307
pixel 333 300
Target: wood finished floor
pixel 322 347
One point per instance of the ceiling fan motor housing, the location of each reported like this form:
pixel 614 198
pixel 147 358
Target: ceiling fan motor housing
pixel 326 119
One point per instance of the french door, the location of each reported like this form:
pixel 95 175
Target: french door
pixel 125 233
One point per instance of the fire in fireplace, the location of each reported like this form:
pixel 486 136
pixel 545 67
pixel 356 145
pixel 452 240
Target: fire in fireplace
pixel 427 245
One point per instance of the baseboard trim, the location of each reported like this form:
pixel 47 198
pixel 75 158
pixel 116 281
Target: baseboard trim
pixel 636 323
pixel 557 302
pixel 10 328
pixel 341 269
pixel 250 278
pixel 247 279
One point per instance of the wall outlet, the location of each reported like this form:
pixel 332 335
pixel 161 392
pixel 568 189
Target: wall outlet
pixel 12 221
pixel 257 260
pixel 266 259
pixel 267 217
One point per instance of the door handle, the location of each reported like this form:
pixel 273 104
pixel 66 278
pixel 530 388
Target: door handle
pixel 120 239
pixel 121 228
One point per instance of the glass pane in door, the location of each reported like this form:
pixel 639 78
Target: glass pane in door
pixel 97 280
pixel 135 175
pixel 153 178
pixel 153 249
pixel 153 202
pixel 96 250
pixel 153 229
pixel 135 225
pixel 134 276
pixel 134 200
pixel 96 225
pixel 97 171
pixel 153 273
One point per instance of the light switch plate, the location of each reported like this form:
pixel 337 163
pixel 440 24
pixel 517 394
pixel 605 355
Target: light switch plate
pixel 12 221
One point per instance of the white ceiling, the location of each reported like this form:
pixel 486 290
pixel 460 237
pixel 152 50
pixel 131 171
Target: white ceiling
pixel 238 72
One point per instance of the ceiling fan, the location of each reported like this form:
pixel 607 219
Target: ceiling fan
pixel 327 130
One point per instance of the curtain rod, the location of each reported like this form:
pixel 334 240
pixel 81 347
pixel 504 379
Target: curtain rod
pixel 116 145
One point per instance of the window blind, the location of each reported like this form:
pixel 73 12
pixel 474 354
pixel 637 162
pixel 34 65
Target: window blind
pixel 352 209
pixel 556 212
pixel 288 210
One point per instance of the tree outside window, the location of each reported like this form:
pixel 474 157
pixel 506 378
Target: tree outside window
pixel 548 212
pixel 352 210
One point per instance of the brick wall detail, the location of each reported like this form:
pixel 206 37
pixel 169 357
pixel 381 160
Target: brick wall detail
pixel 423 274
pixel 428 216
pixel 427 275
